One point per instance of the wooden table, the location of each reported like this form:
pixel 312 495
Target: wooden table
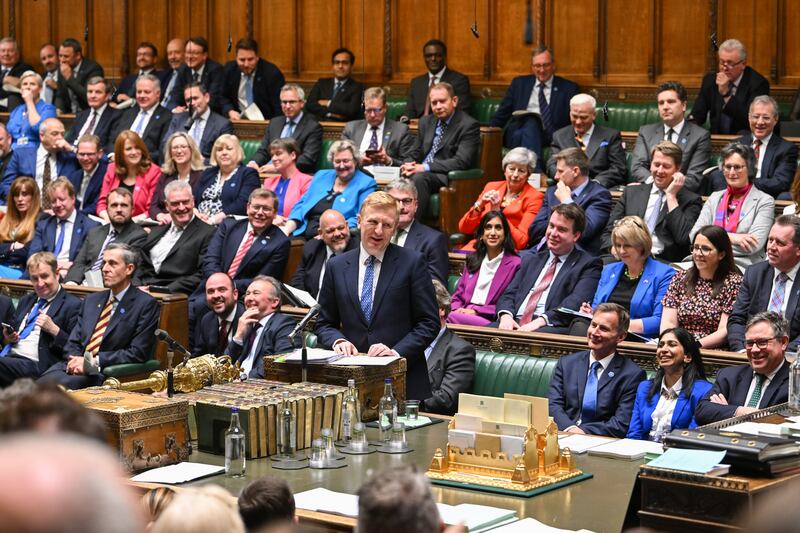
pixel 598 504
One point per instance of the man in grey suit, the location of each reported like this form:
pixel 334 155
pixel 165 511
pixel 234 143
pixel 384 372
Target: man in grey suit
pixel 202 124
pixel 694 140
pixel 382 141
pixel 603 146
pixel 294 123
pixel 121 229
pixel 451 362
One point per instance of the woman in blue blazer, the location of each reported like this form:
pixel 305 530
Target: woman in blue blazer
pixel 224 188
pixel 637 282
pixel 669 400
pixel 343 188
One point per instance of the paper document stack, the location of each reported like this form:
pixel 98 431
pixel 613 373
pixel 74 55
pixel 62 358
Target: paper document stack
pixel 629 449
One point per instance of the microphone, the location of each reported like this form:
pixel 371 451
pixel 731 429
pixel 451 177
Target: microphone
pixel 192 118
pixel 314 311
pixel 172 343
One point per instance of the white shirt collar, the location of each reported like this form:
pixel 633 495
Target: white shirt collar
pixel 604 362
pixel 792 274
pixel 363 255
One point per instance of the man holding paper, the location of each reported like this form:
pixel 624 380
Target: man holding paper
pixel 379 299
pixel 593 391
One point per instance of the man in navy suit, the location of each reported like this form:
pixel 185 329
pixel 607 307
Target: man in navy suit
pixel 202 124
pixel 11 68
pixel 338 98
pixel 415 235
pixel 90 172
pixel 602 145
pixel 379 299
pixel 764 382
pixel 261 329
pixel 200 69
pixel 334 240
pixel 53 152
pixel 419 104
pixel 63 232
pixel 74 71
pixel 726 95
pixel 448 140
pixel 559 275
pixel 146 61
pixel 114 327
pixel 542 93
pixel 250 80
pixel 776 158
pixel 147 118
pixel 574 186
pixel 214 332
pixel 771 285
pixel 294 123
pixel 171 85
pixel 592 392
pixel 41 324
pixel 98 118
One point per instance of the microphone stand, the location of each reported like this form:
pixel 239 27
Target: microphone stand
pixel 170 373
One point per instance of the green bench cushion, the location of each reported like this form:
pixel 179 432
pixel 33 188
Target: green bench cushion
pixel 130 369
pixel 498 373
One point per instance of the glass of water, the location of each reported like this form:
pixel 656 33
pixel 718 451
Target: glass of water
pixel 412 409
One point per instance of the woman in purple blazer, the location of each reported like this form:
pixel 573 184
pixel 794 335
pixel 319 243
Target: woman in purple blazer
pixel 487 273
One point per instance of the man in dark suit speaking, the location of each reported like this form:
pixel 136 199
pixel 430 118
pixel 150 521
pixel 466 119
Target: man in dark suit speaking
pixel 202 124
pixel 593 391
pixel 379 299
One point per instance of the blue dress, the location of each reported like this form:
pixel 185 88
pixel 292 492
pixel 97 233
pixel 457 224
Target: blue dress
pixel 19 127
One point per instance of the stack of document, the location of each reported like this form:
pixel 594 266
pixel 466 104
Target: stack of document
pixel 759 428
pixel 704 462
pixel 316 356
pixel 630 449
pixel 327 501
pixel 531 525
pixel 366 360
pixel 578 443
pixel 178 473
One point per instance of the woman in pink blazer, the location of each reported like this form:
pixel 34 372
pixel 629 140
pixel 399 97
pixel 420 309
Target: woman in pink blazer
pixel 487 273
pixel 291 184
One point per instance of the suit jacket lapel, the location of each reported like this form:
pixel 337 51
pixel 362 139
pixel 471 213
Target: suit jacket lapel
pixel 777 383
pixel 351 277
pixel 187 233
pixel 93 313
pixel 528 282
pixel 439 350
pixel 583 375
pixel 562 274
pixel 232 243
pixel 680 405
pixel 119 312
pixel 388 269
pixel 741 387
pixel 610 373
pixel 500 279
pixel 769 155
pixel 260 243
pixel 594 143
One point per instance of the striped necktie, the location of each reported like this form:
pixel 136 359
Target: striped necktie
pixel 100 328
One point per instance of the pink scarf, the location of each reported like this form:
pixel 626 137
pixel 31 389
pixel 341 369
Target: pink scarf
pixel 726 219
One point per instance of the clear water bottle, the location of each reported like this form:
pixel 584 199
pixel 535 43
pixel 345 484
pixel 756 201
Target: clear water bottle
pixel 794 384
pixel 387 411
pixel 287 433
pixel 234 447
pixel 351 412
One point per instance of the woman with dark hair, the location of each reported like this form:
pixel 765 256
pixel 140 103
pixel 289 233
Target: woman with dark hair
pixel 487 273
pixel 290 184
pixel 741 209
pixel 701 298
pixel 18 226
pixel 132 169
pixel 669 400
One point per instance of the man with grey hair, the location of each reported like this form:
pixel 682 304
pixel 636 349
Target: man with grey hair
pixel 414 235
pixel 540 93
pixel 382 141
pixel 602 145
pixel 397 499
pixel 294 123
pixel 148 119
pixel 10 70
pixel 50 467
pixel 775 157
pixel 762 382
pixel 451 362
pixel 727 93
pixel 114 327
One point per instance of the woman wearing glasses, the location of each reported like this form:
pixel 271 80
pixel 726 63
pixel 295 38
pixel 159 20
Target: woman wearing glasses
pixel 636 282
pixel 701 298
pixel 668 401
pixel 742 210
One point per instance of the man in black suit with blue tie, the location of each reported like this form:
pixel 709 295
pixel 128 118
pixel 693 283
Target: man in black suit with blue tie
pixel 249 80
pixel 338 98
pixel 593 391
pixel 41 325
pixel 147 118
pixel 541 93
pixel 98 118
pixel 199 121
pixel 114 327
pixel 261 329
pixel 558 275
pixel 379 299
pixel 63 232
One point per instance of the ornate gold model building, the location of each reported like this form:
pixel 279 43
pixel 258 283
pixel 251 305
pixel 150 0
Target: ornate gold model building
pixel 505 454
pixel 190 376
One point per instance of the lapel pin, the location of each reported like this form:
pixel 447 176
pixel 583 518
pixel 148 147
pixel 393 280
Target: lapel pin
pixel 263 241
pixel 122 310
pixel 611 374
pixel 79 230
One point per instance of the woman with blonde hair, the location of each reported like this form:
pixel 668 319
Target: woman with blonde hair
pixel 182 161
pixel 18 226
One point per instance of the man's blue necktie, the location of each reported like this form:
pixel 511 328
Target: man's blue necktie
pixel 30 323
pixel 544 111
pixel 248 89
pixel 366 288
pixel 60 238
pixel 589 408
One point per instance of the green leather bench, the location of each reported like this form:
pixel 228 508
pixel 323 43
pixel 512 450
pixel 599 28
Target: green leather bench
pixel 250 147
pixel 498 373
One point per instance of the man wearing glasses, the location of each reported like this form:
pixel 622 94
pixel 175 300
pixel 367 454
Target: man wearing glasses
pixel 771 285
pixel 380 140
pixel 763 382
pixel 727 94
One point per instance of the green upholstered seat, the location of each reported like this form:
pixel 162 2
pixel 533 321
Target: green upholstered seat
pixel 483 109
pixel 627 116
pixel 396 105
pixel 497 373
pixel 250 147
pixel 323 161
pixel 130 369
pixel 452 283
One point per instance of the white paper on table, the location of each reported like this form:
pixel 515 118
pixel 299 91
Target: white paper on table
pixel 383 175
pixel 756 428
pixel 531 525
pixel 327 501
pixel 178 473
pixel 578 443
pixel 252 112
pixel 630 449
pixel 475 517
pixel 365 360
pixel 314 355
pixel 302 296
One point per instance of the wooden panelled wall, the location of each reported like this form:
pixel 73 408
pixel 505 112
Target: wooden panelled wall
pixel 621 47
